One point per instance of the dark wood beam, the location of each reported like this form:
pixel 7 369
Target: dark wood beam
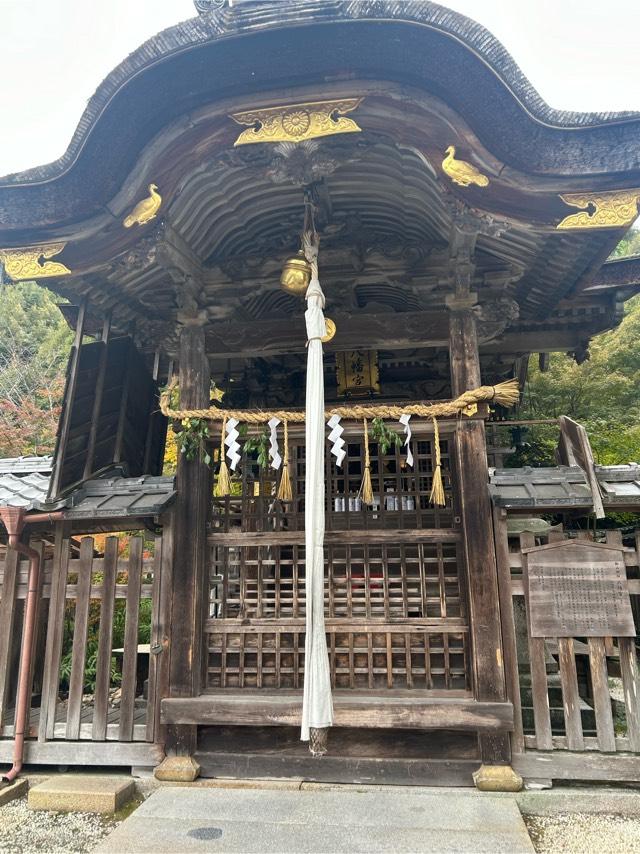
pixel 354 332
pixel 542 341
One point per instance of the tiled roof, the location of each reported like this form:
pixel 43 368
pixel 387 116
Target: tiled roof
pixel 28 491
pixel 564 487
pixel 102 498
pixel 26 465
pixel 105 498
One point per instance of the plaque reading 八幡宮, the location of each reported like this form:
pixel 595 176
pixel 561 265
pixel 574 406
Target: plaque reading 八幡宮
pixel 577 588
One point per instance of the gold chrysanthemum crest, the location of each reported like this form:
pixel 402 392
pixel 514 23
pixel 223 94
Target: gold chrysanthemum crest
pixel 297 122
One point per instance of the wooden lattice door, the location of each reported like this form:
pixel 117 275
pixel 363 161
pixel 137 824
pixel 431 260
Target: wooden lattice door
pixel 395 602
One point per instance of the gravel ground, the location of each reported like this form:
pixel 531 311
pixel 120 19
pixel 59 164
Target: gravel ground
pixel 577 833
pixel 23 830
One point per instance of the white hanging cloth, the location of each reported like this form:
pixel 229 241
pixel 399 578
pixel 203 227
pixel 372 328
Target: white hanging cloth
pixel 231 441
pixel 274 453
pixel 317 706
pixel 337 442
pixel 405 419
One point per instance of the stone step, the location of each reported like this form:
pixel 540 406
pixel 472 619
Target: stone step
pixel 96 793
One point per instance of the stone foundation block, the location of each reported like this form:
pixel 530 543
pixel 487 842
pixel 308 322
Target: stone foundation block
pixel 497 778
pixel 177 769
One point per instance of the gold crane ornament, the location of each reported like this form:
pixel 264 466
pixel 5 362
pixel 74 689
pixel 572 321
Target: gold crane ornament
pixel 145 210
pixel 461 172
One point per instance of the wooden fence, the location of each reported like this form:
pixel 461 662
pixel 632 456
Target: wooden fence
pixel 576 699
pixel 92 678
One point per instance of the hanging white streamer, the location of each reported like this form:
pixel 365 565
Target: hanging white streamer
pixel 335 436
pixel 231 441
pixel 404 419
pixel 274 453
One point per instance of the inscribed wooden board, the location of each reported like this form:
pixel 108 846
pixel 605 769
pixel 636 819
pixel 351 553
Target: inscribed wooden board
pixel 578 589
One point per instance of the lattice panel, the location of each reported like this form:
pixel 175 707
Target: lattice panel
pixel 360 657
pixel 376 580
pixel 401 493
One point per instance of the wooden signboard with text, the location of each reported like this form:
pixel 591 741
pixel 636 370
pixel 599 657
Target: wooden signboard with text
pixel 577 589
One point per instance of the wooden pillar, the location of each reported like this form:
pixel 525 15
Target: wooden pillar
pixel 477 531
pixel 97 402
pixel 189 560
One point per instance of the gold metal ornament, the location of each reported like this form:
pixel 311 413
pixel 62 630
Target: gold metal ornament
pixel 32 262
pixel 145 210
pixel 296 275
pixel 609 209
pixel 461 172
pixel 331 330
pixel 297 122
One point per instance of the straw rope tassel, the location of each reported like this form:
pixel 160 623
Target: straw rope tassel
pixel 285 493
pixel 437 487
pixel 223 483
pixel 366 490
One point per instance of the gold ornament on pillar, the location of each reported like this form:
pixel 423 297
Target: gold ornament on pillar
pixel 331 330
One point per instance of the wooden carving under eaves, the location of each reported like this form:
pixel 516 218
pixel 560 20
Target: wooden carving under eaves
pixel 297 122
pixel 32 262
pixel 612 209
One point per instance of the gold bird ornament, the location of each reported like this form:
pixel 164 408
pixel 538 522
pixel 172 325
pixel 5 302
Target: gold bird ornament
pixel 461 172
pixel 145 210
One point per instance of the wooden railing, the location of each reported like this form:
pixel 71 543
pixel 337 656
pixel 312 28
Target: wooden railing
pixel 576 699
pixel 84 689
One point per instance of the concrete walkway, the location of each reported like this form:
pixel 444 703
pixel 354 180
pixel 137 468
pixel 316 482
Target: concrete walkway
pixel 395 820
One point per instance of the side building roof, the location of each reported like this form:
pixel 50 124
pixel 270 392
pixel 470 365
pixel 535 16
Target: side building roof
pixel 563 488
pixel 23 485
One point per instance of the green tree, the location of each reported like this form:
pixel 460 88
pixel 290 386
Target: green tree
pixel 603 393
pixel 629 245
pixel 34 347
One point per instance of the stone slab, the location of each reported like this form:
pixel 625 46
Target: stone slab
pixel 245 820
pixel 17 789
pixel 94 793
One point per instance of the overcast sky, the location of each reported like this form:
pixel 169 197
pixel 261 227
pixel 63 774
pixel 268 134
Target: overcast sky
pixel 580 55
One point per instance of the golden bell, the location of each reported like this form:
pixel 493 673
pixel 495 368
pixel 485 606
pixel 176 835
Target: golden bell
pixel 296 275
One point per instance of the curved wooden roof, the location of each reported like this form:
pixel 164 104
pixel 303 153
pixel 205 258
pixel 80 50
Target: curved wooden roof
pixel 230 53
pixel 429 78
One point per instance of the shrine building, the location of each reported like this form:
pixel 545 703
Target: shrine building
pixel 341 547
